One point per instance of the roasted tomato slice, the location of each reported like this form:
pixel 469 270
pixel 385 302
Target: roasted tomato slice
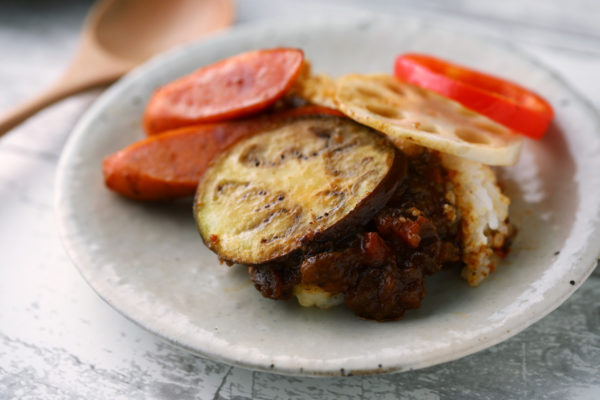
pixel 505 102
pixel 235 87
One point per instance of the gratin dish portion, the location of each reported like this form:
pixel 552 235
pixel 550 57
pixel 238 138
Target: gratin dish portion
pixel 352 189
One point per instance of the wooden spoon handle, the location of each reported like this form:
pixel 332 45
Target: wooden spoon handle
pixel 21 112
pixel 63 88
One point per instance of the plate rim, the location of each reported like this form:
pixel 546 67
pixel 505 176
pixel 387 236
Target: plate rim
pixel 108 96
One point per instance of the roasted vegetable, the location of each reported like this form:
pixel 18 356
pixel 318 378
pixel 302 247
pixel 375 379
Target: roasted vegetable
pixel 311 180
pixel 232 88
pixel 170 165
pixel 505 102
pixel 407 113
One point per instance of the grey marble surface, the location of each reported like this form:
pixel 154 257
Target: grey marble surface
pixel 58 340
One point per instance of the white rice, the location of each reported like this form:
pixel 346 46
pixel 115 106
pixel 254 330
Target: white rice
pixel 484 215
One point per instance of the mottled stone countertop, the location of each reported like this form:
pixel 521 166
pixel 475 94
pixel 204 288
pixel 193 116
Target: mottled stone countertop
pixel 59 340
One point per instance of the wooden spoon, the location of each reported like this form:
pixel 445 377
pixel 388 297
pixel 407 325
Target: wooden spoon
pixel 120 34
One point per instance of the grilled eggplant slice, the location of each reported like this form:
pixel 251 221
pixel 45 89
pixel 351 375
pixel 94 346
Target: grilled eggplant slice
pixel 314 179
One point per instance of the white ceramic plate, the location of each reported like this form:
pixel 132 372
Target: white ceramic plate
pixel 149 263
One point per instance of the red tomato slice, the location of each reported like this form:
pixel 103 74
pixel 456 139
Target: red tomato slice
pixel 235 87
pixel 505 102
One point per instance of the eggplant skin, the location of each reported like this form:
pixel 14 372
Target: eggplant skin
pixel 313 179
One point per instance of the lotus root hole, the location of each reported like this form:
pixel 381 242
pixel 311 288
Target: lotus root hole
pixel 367 92
pixel 472 136
pixel 487 126
pixel 385 111
pixel 422 92
pixel 395 88
pixel 429 128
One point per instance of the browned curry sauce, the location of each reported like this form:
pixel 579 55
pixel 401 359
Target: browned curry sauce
pixel 381 267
